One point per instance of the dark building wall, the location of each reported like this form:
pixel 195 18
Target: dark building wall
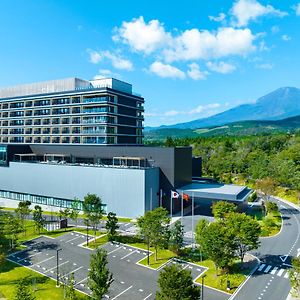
pixel 197 167
pixel 175 163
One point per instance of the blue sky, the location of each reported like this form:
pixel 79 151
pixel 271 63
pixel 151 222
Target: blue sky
pixel 189 59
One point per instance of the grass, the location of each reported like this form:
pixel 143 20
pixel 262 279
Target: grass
pixel 45 288
pixel 287 194
pixel 101 240
pixel 163 255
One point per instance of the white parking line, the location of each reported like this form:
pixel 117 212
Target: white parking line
pixel 73 271
pixel 84 279
pixel 122 292
pixel 148 296
pixel 286 275
pixel 274 270
pixel 40 262
pixel 75 238
pixel 261 267
pixel 29 256
pixel 128 254
pixel 58 265
pixel 114 251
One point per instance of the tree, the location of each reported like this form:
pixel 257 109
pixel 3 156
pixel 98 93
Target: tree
pixel 74 213
pixel 266 186
pixel 218 244
pixel 12 228
pixel 64 214
pixel 70 289
pixel 153 226
pixel 176 283
pixel 221 208
pixel 111 225
pixel 245 231
pixel 176 236
pixel 169 142
pixel 38 219
pixel 294 275
pixel 93 209
pixel 23 212
pixel 99 277
pixel 23 291
pixel 271 207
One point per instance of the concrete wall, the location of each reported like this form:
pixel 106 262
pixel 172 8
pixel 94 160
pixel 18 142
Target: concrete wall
pixel 125 191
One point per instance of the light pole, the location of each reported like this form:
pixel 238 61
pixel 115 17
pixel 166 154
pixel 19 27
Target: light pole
pixel 202 285
pixel 87 231
pixel 57 276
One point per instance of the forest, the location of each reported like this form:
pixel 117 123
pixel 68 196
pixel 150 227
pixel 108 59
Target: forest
pixel 247 159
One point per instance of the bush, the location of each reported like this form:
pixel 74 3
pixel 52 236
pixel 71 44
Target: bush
pixel 271 207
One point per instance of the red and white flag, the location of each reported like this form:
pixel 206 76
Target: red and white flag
pixel 174 194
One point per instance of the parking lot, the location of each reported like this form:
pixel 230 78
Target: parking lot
pixel 131 280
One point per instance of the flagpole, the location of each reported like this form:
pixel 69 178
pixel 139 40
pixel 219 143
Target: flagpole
pixel 193 220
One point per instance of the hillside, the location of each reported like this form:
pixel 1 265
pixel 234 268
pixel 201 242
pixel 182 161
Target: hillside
pixel 231 129
pixel 279 104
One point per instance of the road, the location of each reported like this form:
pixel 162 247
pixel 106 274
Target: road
pixel 270 280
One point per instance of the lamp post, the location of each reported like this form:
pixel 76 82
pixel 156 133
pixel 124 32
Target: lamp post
pixel 202 285
pixel 57 276
pixel 87 231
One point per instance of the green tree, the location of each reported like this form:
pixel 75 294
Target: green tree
pixel 271 207
pixel 23 291
pixel 294 276
pixel 12 228
pixel 75 209
pixel 93 210
pixel 38 219
pixel 23 211
pixel 176 283
pixel 169 142
pixel 111 225
pixel 176 236
pixel 266 186
pixel 64 214
pixel 245 231
pixel 153 226
pixel 70 289
pixel 99 276
pixel 221 208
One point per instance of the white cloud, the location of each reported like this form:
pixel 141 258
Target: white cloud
pixel 245 11
pixel 195 73
pixel 116 60
pixel 141 36
pixel 265 66
pixel 221 67
pixel 105 73
pixel 201 108
pixel 95 57
pixel 275 29
pixel 221 17
pixel 165 70
pixel 194 44
pixel 285 37
pixel 297 9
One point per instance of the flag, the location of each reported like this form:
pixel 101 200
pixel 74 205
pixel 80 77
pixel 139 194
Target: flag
pixel 174 194
pixel 186 197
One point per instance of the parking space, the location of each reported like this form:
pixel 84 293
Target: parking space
pixel 131 280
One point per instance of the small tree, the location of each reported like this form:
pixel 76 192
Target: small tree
pixel 271 207
pixel 93 209
pixel 176 283
pixel 245 232
pixel 221 208
pixel 38 219
pixel 176 236
pixel 111 225
pixel 70 289
pixel 99 277
pixel 74 213
pixel 12 228
pixel 64 214
pixel 23 291
pixel 153 227
pixel 294 275
pixel 266 186
pixel 23 212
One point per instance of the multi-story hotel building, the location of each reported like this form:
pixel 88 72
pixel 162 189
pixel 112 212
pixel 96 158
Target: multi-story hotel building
pixel 71 111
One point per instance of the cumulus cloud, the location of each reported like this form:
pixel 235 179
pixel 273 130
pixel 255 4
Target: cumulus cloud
pixel 116 60
pixel 245 11
pixel 166 70
pixel 142 36
pixel 105 73
pixel 285 37
pixel 221 17
pixel 221 67
pixel 194 44
pixel 195 73
pixel 297 9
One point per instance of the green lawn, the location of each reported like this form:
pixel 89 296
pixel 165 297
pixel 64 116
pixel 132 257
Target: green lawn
pixel 45 288
pixel 101 240
pixel 163 255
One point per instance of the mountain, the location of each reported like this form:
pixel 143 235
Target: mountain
pixel 280 104
pixel 231 129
